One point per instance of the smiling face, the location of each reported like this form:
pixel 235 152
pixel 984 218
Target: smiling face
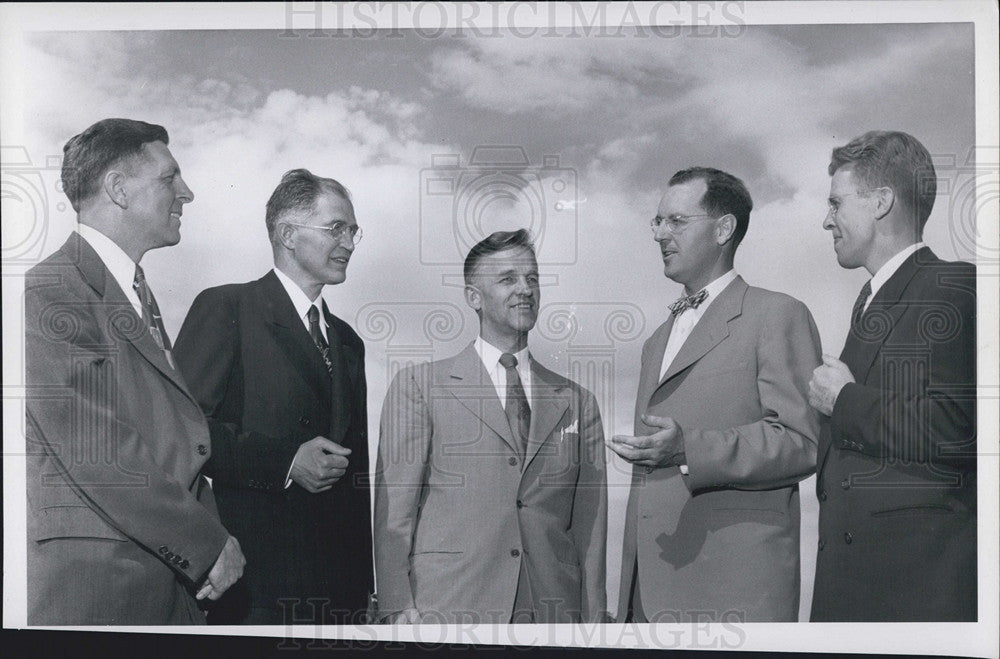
pixel 851 220
pixel 691 253
pixel 156 196
pixel 504 290
pixel 317 257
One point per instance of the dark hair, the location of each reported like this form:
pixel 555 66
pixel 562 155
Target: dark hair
pixel 89 155
pixel 724 194
pixel 497 241
pixel 883 158
pixel 298 191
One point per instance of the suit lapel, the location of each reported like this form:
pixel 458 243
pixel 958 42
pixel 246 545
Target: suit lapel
pixel 550 401
pixel 469 382
pixel 344 381
pixel 884 312
pixel 291 336
pixel 711 329
pixel 121 315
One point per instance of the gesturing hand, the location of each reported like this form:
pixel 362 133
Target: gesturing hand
pixel 318 464
pixel 827 381
pixel 227 570
pixel 664 448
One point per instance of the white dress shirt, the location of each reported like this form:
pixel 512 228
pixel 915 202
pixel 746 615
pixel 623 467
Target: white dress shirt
pixel 889 268
pixel 118 263
pixel 301 302
pixel 685 322
pixel 490 355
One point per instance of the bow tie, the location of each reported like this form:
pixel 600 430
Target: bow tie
pixel 686 301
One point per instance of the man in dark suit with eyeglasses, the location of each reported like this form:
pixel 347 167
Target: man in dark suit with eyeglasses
pixel 282 382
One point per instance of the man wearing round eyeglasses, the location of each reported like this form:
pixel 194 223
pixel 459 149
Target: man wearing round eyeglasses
pixel 723 427
pixel 282 382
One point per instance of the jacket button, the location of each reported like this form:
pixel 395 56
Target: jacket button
pixel 846 484
pixel 822 543
pixel 520 504
pixel 304 420
pixel 822 496
pixel 184 564
pixel 512 462
pixel 848 538
pixel 176 560
pixel 163 549
pixel 515 553
pixel 649 470
pixel 169 555
pixel 202 449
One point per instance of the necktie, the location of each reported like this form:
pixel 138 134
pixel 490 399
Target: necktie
pixel 517 410
pixel 151 314
pixel 686 301
pixel 859 304
pixel 317 336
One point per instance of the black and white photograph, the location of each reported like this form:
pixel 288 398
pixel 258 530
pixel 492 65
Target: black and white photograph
pixel 648 325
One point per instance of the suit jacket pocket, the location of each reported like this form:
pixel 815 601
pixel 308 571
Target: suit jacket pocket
pixel 74 522
pixel 724 369
pixel 913 511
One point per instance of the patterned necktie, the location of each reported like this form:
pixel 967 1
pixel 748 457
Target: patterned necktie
pixel 517 410
pixel 151 314
pixel 859 304
pixel 688 301
pixel 317 336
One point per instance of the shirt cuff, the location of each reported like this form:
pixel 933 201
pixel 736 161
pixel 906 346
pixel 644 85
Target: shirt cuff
pixel 288 476
pixel 684 469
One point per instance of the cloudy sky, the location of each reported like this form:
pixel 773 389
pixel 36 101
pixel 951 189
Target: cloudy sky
pixel 602 122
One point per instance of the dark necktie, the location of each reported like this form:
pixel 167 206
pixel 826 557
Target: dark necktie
pixel 688 301
pixel 859 304
pixel 517 410
pixel 317 336
pixel 151 314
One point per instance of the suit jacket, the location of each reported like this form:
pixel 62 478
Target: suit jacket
pixel 265 389
pixel 121 525
pixel 457 510
pixel 897 469
pixel 723 541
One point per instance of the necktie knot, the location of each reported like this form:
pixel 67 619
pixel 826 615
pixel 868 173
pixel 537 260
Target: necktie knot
pixel 316 334
pixel 508 361
pixel 688 301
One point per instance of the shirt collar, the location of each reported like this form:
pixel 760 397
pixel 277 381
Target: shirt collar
pixel 118 263
pixel 299 299
pixel 490 354
pixel 712 291
pixel 890 267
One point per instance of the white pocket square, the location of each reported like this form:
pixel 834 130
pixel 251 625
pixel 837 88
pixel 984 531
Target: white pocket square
pixel 571 429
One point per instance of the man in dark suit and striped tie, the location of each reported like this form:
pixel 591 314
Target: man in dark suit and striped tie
pixel 896 472
pixel 282 382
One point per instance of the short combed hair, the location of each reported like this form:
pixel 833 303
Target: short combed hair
pixel 725 194
pixel 298 191
pixel 497 241
pixel 894 159
pixel 88 156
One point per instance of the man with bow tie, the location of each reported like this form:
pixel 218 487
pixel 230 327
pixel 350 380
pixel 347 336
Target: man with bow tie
pixel 896 478
pixel 282 381
pixel 490 499
pixel 724 431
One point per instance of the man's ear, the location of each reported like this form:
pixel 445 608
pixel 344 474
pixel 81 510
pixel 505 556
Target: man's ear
pixel 473 297
pixel 114 187
pixel 725 228
pixel 284 234
pixel 885 199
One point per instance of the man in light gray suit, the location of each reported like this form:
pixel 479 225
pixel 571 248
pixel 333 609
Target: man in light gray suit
pixel 490 499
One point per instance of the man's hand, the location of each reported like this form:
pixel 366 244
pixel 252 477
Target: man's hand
pixel 227 570
pixel 827 381
pixel 318 464
pixel 664 448
pixel 404 617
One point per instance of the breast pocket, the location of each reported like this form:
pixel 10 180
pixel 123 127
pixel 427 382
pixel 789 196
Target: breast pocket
pixel 74 522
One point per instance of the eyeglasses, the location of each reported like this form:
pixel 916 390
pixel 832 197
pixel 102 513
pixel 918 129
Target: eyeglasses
pixel 674 223
pixel 337 231
pixel 833 203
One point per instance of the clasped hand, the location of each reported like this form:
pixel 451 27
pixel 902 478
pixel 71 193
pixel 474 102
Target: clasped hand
pixel 827 381
pixel 664 448
pixel 318 464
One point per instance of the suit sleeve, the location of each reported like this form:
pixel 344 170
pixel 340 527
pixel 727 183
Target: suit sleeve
pixel 779 449
pixel 589 523
pixel 404 442
pixel 927 415
pixel 208 353
pixel 75 417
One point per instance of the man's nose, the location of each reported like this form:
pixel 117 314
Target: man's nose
pixel 184 193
